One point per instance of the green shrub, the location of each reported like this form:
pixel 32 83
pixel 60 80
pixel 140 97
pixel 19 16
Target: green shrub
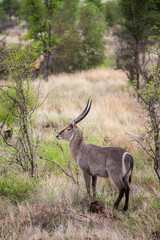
pixel 111 12
pixel 17 188
pixel 57 152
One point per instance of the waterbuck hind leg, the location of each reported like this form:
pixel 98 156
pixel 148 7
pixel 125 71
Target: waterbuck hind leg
pixel 120 196
pixel 127 190
pixel 94 182
pixel 87 179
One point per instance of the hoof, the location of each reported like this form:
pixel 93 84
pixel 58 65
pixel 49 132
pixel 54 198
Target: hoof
pixel 125 208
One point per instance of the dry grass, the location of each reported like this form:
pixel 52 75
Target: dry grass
pixel 14 35
pixel 112 109
pixel 55 211
pixel 56 214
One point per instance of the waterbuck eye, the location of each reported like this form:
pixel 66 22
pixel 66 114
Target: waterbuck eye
pixel 68 129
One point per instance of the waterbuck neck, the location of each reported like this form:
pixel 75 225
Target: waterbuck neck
pixel 76 144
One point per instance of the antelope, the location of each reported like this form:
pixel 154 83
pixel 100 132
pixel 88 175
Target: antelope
pixel 37 63
pixel 96 161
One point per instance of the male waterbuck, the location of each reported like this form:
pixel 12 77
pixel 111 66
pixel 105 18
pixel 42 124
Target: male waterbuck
pixel 113 162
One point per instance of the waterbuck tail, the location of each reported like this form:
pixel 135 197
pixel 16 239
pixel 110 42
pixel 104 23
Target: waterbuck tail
pixel 128 159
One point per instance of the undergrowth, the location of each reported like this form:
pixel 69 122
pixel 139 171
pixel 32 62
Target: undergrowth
pixel 17 188
pixel 54 202
pixel 51 208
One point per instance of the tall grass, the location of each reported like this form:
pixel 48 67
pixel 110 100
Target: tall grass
pixel 113 110
pixel 55 210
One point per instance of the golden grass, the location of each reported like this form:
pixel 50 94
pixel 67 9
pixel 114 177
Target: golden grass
pixel 113 109
pixel 56 214
pixel 55 211
pixel 14 35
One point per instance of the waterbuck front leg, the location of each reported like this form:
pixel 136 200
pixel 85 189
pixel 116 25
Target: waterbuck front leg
pixel 87 179
pixel 94 182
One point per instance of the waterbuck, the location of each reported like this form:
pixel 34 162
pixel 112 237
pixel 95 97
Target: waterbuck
pixel 95 161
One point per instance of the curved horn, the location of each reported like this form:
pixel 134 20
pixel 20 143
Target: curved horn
pixel 85 112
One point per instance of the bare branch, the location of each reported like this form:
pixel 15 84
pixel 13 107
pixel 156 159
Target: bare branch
pixel 61 148
pixel 60 168
pixel 134 137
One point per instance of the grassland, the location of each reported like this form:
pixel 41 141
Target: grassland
pixel 52 207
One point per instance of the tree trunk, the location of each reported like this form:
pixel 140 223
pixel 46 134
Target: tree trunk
pixel 47 65
pixel 136 62
pixel 157 163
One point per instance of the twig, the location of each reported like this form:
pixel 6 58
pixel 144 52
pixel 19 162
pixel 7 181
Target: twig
pixel 134 137
pixel 59 167
pixel 61 148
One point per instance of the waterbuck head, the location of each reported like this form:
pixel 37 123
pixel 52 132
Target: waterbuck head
pixel 68 132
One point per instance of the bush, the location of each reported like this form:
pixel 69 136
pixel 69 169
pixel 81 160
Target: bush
pixel 18 102
pixel 111 12
pixel 17 188
pixel 73 34
pixel 92 27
